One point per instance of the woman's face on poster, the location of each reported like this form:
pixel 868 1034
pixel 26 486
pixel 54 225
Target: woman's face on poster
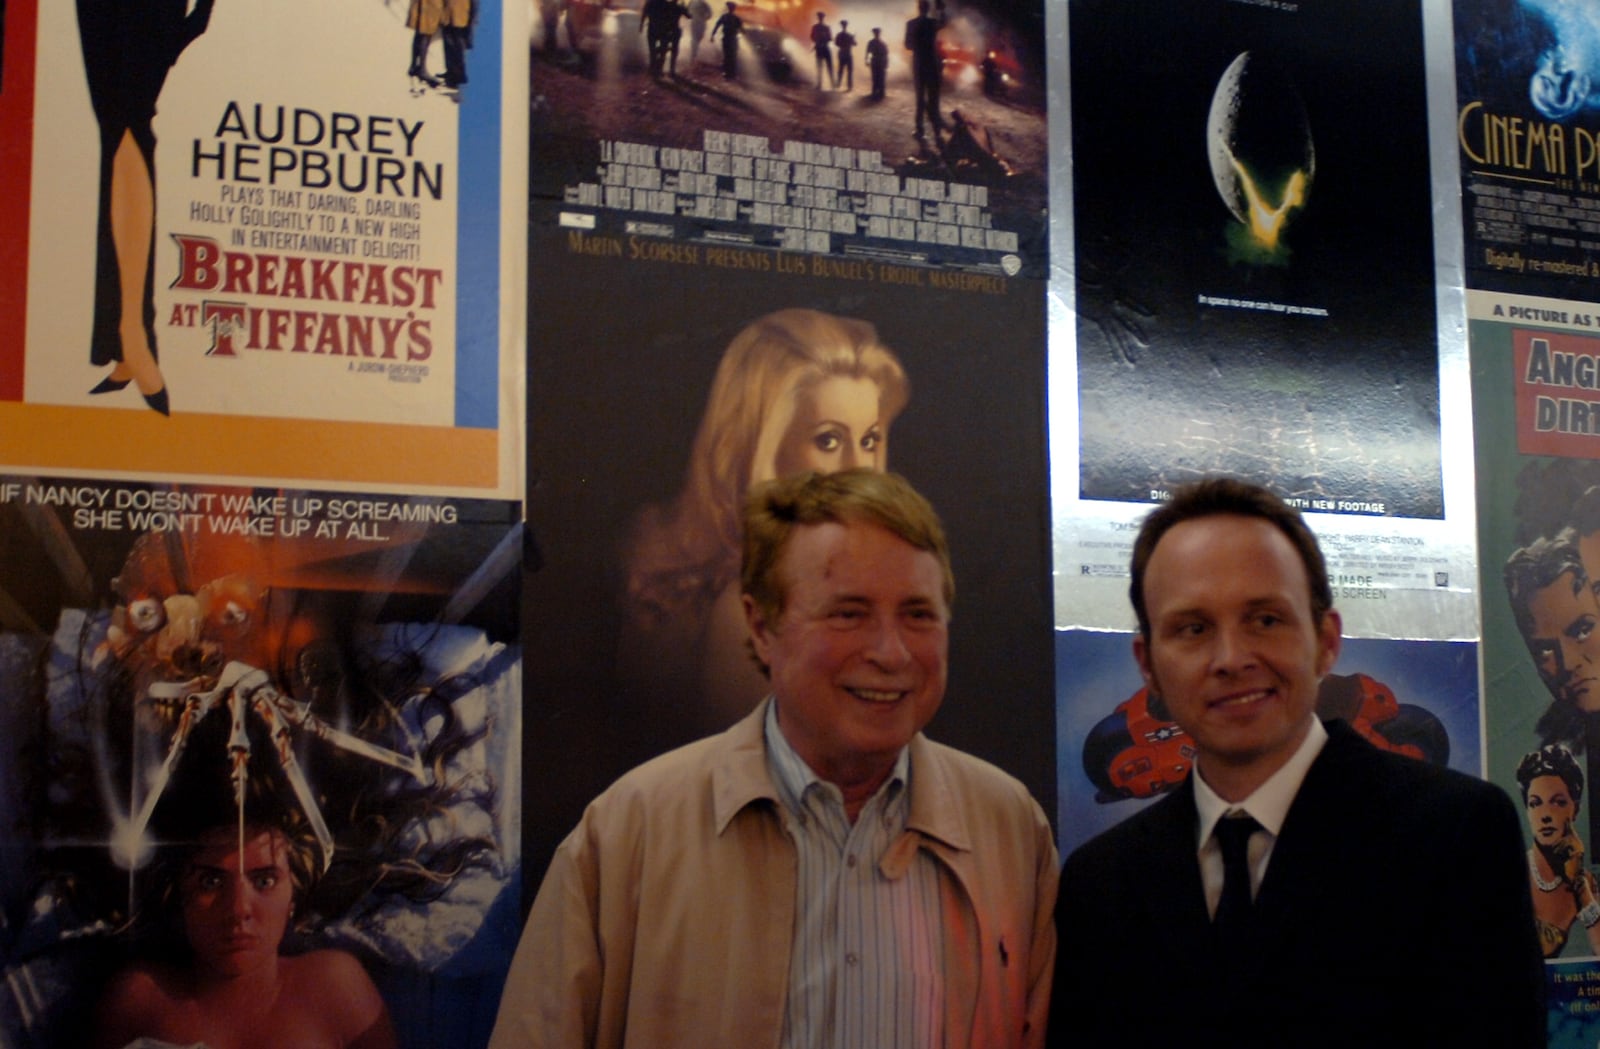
pixel 237 899
pixel 836 426
pixel 1550 809
pixel 1564 641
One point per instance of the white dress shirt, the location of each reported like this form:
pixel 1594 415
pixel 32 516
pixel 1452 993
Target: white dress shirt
pixel 1268 804
pixel 866 969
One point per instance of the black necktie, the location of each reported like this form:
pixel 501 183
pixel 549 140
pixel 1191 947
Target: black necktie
pixel 1232 920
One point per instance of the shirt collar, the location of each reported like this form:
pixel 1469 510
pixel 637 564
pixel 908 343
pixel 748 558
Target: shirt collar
pixel 1268 803
pixel 793 777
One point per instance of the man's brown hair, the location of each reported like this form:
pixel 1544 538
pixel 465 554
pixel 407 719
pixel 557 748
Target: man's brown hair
pixel 774 509
pixel 1209 497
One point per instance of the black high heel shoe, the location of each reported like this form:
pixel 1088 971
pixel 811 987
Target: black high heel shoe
pixel 158 401
pixel 110 385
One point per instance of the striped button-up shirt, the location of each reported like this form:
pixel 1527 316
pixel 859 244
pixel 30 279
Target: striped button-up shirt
pixel 866 967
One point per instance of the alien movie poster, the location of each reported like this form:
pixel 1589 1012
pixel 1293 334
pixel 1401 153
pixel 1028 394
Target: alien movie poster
pixel 274 228
pixel 1538 519
pixel 661 392
pixel 907 132
pixel 264 732
pixel 1527 96
pixel 1119 750
pixel 1254 251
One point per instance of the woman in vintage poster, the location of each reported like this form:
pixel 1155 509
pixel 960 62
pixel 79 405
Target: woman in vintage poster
pixel 225 900
pixel 1564 889
pixel 797 389
pixel 127 51
pixel 449 19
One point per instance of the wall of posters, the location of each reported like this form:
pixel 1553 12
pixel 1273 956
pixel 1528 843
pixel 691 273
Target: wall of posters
pixel 1083 252
pixel 261 417
pixel 1528 189
pixel 1187 336
pixel 325 685
pixel 1266 279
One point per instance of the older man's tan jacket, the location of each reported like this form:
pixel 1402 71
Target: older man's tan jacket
pixel 666 917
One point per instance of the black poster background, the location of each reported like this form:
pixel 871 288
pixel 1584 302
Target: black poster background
pixel 621 356
pixel 1176 377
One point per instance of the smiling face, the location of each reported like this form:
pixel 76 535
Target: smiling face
pixel 237 902
pixel 1234 650
pixel 1563 641
pixel 857 655
pixel 836 426
pixel 1550 809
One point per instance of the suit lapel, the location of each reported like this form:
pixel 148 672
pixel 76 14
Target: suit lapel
pixel 1312 841
pixel 1171 885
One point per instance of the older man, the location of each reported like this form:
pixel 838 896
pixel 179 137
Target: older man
pixel 1301 887
pixel 821 873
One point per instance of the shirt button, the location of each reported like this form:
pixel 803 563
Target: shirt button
pixel 851 958
pixel 850 860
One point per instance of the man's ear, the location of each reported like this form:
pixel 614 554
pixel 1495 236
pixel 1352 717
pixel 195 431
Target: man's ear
pixel 1141 656
pixel 756 625
pixel 1330 639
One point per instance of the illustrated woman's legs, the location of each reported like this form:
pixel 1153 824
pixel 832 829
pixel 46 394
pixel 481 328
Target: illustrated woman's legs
pixel 133 206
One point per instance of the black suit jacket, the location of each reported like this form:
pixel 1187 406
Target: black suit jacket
pixel 1395 912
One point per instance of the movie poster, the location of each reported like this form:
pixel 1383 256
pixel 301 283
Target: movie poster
pixel 1118 749
pixel 319 689
pixel 1530 160
pixel 1254 252
pixel 275 229
pixel 846 131
pixel 1533 363
pixel 662 389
